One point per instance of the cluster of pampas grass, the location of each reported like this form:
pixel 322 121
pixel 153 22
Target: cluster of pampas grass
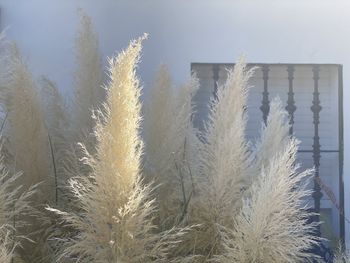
pixel 232 179
pixel 39 138
pixel 193 196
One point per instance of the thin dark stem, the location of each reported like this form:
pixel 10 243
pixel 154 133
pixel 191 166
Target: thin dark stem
pixel 184 211
pixel 188 166
pixel 191 175
pixel 182 183
pixel 3 123
pixel 54 168
pixel 14 228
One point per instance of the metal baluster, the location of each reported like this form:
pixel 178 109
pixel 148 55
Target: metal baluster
pixel 291 108
pixel 341 154
pixel 265 107
pixel 316 108
pixel 216 69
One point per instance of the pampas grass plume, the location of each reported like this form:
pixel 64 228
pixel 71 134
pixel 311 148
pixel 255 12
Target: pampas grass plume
pixel 115 222
pixel 88 92
pixel 223 162
pixel 168 130
pixel 272 225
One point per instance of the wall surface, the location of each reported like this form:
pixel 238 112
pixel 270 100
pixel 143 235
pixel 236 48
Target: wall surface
pixel 185 31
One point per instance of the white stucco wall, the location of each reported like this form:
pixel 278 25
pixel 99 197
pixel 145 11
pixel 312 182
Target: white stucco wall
pixel 185 31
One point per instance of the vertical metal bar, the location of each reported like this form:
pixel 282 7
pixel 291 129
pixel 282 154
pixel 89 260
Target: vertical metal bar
pixel 341 155
pixel 265 107
pixel 216 69
pixel 291 108
pixel 316 108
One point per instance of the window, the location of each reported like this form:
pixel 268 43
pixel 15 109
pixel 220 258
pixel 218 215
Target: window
pixel 312 94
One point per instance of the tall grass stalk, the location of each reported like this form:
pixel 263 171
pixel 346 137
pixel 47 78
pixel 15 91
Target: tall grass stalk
pixel 168 131
pixel 27 143
pixel 223 161
pixel 88 91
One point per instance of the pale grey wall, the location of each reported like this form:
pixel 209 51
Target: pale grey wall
pixel 184 31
